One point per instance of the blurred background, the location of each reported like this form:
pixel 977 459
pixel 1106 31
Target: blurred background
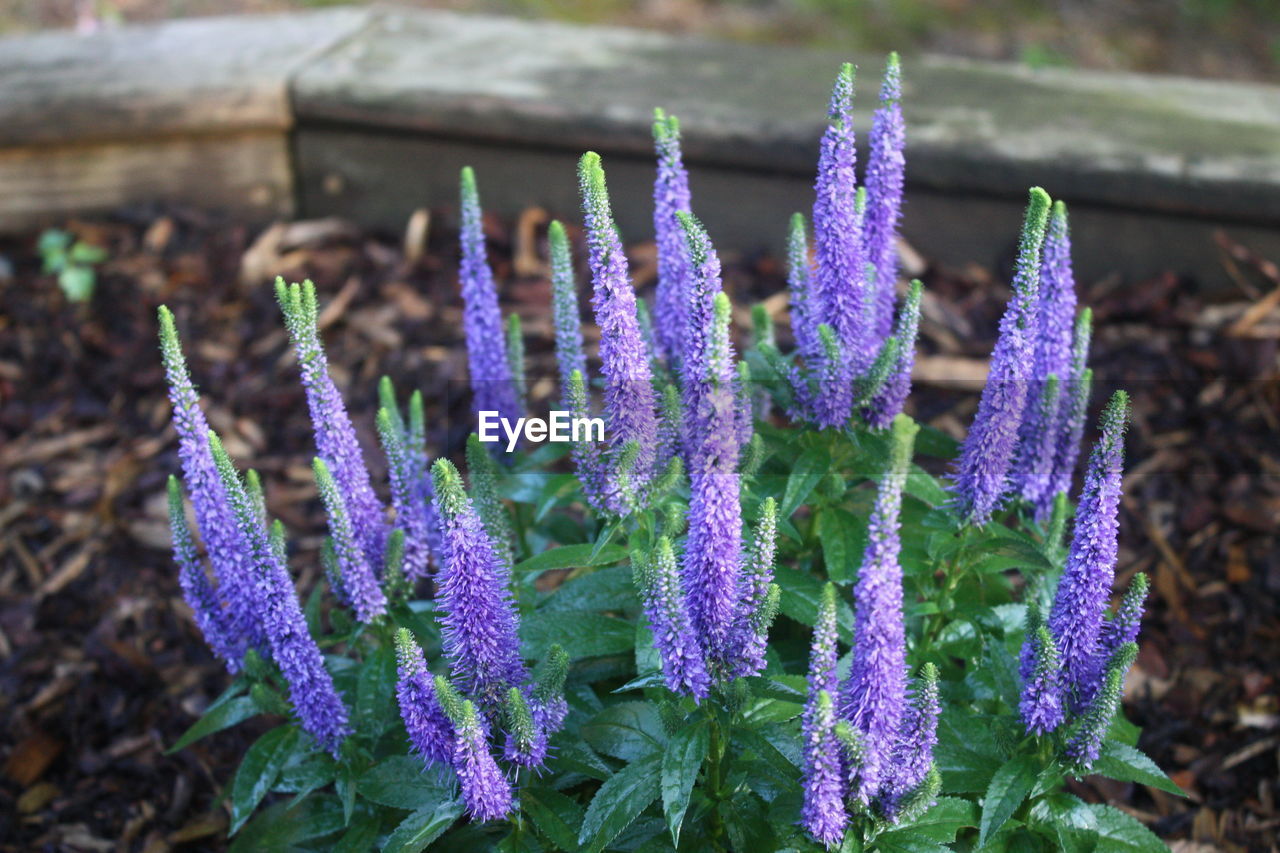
pixel 1237 39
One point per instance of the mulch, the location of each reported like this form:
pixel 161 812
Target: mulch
pixel 101 666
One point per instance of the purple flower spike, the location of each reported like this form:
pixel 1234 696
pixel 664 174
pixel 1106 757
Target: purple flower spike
pixel 564 303
pixel 988 450
pixel 876 690
pixel 1041 702
pixel 216 523
pixel 430 732
pixel 335 436
pixel 359 584
pixel 712 570
pixel 885 176
pixel 759 609
pixel 408 496
pixel 840 275
pixel 683 668
pixel 805 312
pixel 1080 602
pixel 526 743
pixel 1038 444
pixel 823 815
pixel 629 399
pixel 311 690
pixel 913 755
pixel 887 403
pixel 1074 407
pixel 211 618
pixel 493 389
pixel 485 791
pixel 548 704
pixel 823 652
pixel 696 381
pixel 670 197
pixel 479 623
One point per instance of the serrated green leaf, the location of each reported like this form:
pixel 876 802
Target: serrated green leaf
pixel 259 770
pixel 807 472
pixel 558 817
pixel 359 837
pixel 282 825
pixel 801 594
pixel 582 633
pixel 1008 788
pixel 843 539
pixel 604 589
pixel 680 765
pixel 572 557
pixel 942 822
pixel 572 755
pixel 627 730
pixel 1067 821
pixel 1119 833
pixel 375 694
pixel 217 718
pixel 402 782
pixel 620 800
pixel 422 827
pixel 1126 764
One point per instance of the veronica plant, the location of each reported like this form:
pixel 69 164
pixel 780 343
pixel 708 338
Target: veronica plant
pixel 716 628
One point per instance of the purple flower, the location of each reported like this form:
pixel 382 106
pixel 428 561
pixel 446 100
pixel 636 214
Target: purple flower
pixel 712 569
pixel 311 689
pixel 823 815
pixel 696 379
pixel 670 197
pixel 485 791
pixel 913 754
pixel 478 623
pixel 409 495
pixel 629 400
pixel 804 308
pixel 588 461
pixel 1080 602
pixel 493 388
pixel 1085 742
pixel 359 584
pixel 876 690
pixel 683 667
pixel 1074 406
pixel 988 449
pixel 211 618
pixel 430 732
pixel 758 612
pixel 1119 629
pixel 564 304
pixel 887 403
pixel 839 284
pixel 885 171
pixel 548 704
pixel 217 525
pixel 1041 702
pixel 335 436
pixel 1038 444
pixel 823 651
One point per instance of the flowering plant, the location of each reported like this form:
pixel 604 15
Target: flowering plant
pixel 745 519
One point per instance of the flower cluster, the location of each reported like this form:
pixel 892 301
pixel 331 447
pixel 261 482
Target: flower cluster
pixel 1073 664
pixel 842 302
pixel 867 745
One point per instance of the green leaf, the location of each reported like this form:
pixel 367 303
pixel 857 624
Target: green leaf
pixel 582 633
pixel 940 824
pixel 258 771
pixel 1122 762
pixel 572 557
pixel 801 594
pixel 603 589
pixel 402 782
pixel 843 540
pixel 1067 821
pixel 555 815
pixel 282 825
pixel 1119 833
pixel 1009 787
pixel 572 755
pixel 619 801
pixel 360 837
pixel 77 282
pixel 923 485
pixel 375 695
pixel 807 472
pixel 680 765
pixel 219 716
pixel 627 730
pixel 422 827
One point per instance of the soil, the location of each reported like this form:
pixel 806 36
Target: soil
pixel 101 666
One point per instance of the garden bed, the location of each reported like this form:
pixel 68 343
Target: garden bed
pixel 103 667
